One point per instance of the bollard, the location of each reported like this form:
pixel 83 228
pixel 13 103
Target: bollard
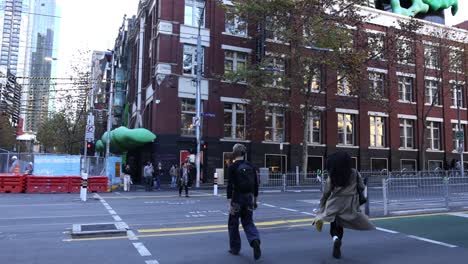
pixel 297 176
pixel 84 186
pixel 384 191
pixel 215 184
pixel 446 192
pixel 366 193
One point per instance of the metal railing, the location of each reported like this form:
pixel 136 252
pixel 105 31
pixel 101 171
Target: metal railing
pixel 291 181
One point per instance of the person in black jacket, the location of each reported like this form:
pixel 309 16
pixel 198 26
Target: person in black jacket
pixel 242 192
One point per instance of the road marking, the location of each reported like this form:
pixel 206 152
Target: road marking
pixel 144 252
pixel 156 196
pixel 288 209
pixel 131 235
pixel 151 262
pixel 433 241
pixel 419 211
pixel 306 213
pixel 117 218
pixel 49 217
pixel 386 230
pixel 112 212
pixel 460 215
pixel 269 205
pixel 108 207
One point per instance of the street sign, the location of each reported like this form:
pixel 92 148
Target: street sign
pixel 90 128
pixel 195 121
pixel 208 115
pixel 460 135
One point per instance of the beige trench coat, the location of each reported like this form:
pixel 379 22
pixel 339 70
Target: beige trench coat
pixel 342 204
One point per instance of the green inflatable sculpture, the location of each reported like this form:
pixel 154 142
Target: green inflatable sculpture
pixel 123 139
pixel 423 6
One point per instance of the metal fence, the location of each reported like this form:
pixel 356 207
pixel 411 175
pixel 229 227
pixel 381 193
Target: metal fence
pixel 291 181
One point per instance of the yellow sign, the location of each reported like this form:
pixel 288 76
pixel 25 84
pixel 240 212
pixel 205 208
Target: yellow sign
pixel 117 169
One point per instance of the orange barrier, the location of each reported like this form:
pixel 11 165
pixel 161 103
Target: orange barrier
pixel 97 184
pixel 40 184
pixel 11 184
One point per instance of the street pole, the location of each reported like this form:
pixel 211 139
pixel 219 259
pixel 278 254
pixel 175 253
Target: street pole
pixel 109 117
pixel 461 140
pixel 198 95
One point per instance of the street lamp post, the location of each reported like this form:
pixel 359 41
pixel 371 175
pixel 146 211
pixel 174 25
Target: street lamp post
pixel 461 136
pixel 109 116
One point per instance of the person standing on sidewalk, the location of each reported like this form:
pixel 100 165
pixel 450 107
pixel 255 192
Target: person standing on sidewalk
pixel 183 179
pixel 242 192
pixel 159 174
pixel 340 204
pixel 148 175
pixel 172 173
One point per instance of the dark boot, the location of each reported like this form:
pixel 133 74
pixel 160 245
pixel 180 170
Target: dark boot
pixel 337 248
pixel 256 249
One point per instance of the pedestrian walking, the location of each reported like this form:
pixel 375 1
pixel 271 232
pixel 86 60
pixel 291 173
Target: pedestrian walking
pixel 340 202
pixel 159 174
pixel 148 175
pixel 173 174
pixel 242 193
pixel 183 179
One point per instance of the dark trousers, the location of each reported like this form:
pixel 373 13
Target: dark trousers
pixel 336 230
pixel 186 189
pixel 148 183
pixel 241 208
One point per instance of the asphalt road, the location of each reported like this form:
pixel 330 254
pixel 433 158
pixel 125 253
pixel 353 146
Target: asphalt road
pixel 165 228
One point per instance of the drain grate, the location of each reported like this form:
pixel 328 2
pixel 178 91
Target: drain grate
pixel 99 230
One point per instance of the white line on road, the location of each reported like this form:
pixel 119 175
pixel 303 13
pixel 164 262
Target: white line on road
pixel 433 241
pixel 117 218
pixel 269 205
pixel 49 217
pixel 142 249
pixel 386 230
pixel 112 212
pixel 306 213
pixel 131 235
pixel 288 209
pixel 151 262
pixel 420 211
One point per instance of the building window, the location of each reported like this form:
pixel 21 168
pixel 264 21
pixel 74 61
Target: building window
pixel 456 60
pixel 408 165
pixel 433 135
pixel 273 30
pixel 432 92
pixel 405 51
pixel 377 131
pixel 234 61
pixel 375 43
pixel 379 164
pixel 344 88
pixel 405 89
pixel 274 124
pixel 234 121
pixel 456 142
pixel 315 124
pixel 190 60
pixel 346 129
pixel 376 84
pixel 314 165
pixel 433 165
pixel 313 80
pixel 188 112
pixel 277 66
pixel 431 56
pixel 235 25
pixel 276 163
pixel 457 95
pixel 407 133
pixel 193 13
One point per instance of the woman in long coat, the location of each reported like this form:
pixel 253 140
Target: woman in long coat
pixel 339 204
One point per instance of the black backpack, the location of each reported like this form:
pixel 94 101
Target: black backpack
pixel 245 178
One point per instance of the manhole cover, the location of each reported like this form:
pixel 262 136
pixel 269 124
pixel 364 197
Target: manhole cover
pixel 99 230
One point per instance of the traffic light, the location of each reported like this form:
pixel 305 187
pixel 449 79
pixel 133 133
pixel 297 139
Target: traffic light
pixel 90 148
pixel 204 146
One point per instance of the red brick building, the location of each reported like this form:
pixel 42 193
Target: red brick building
pixel 378 137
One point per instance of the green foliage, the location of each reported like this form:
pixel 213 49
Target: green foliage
pixel 7 133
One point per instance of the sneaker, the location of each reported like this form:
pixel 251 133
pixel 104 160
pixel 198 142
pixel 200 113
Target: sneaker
pixel 256 249
pixel 232 252
pixel 337 248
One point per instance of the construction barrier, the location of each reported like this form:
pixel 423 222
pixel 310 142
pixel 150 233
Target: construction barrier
pixel 98 184
pixel 40 184
pixel 74 184
pixel 10 183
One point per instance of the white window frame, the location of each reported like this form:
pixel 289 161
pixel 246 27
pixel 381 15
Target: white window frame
pixel 431 127
pixel 275 112
pixel 279 70
pixel 314 82
pixel 281 159
pixel 191 50
pixel 431 61
pixel 456 60
pixel 405 83
pixel 407 123
pixel 374 78
pixel 275 38
pixel 386 161
pixel 233 29
pixel 441 162
pixel 374 134
pixel 412 160
pixel 235 59
pixel 407 45
pixel 429 90
pixel 190 113
pixel 457 95
pixel 376 52
pixel 313 116
pixel 194 5
pixel 234 122
pixel 455 141
pixel 343 86
pixel 346 121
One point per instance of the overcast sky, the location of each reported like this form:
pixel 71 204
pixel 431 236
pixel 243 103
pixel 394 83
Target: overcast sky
pixel 93 25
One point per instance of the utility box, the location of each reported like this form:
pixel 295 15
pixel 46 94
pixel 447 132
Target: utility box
pixel 264 176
